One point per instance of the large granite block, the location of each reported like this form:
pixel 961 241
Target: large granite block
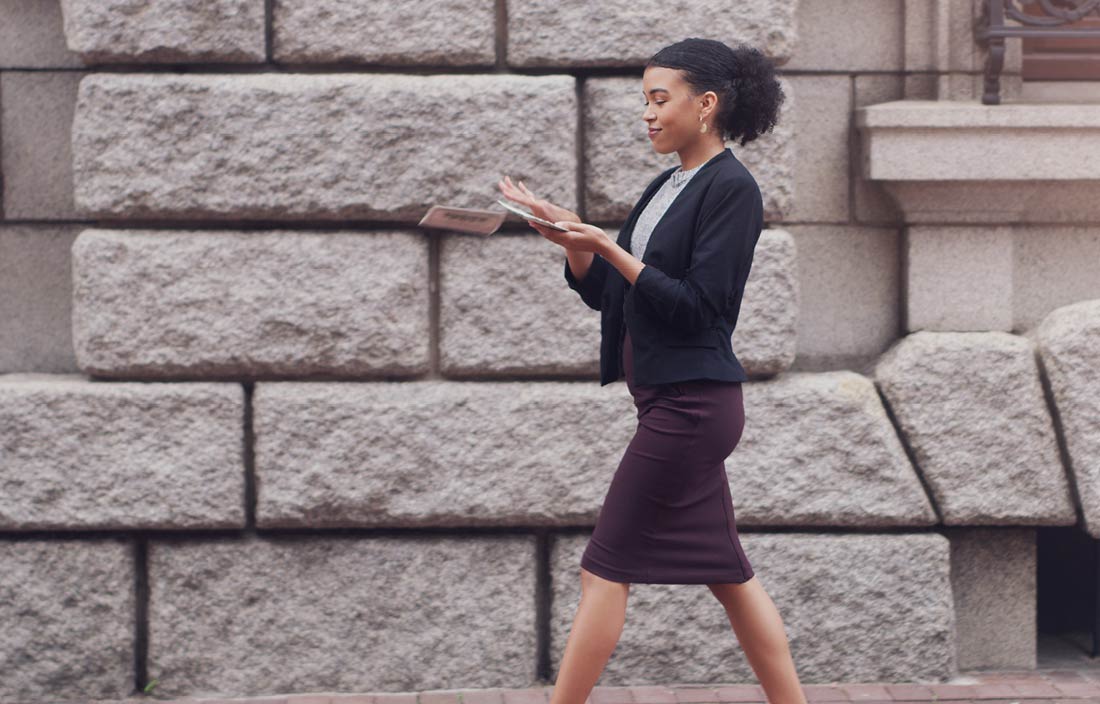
pixel 819 450
pixel 79 454
pixel 234 618
pixel 1068 341
pixel 862 608
pixel 625 33
pixel 455 33
pixel 187 304
pixel 152 31
pixel 67 609
pixel 436 453
pixel 317 146
pixel 971 407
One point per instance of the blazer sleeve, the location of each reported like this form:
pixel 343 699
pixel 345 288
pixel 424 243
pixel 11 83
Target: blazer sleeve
pixel 591 286
pixel 731 220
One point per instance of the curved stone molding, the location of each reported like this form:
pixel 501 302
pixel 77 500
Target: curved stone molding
pixel 620 160
pixel 818 450
pixel 504 310
pixel 68 612
pixel 876 594
pixel 187 304
pixel 766 337
pixel 431 453
pixel 1068 340
pixel 454 33
pixel 336 146
pixel 971 406
pixel 341 614
pixel 165 30
pixel 78 454
pixel 622 33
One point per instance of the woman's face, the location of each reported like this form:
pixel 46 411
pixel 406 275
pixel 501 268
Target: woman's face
pixel 672 111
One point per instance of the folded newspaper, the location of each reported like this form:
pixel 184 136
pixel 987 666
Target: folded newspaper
pixel 476 221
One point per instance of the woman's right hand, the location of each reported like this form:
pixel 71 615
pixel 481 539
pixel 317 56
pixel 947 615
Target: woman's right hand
pixel 543 208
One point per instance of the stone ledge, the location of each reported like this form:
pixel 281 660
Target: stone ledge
pixel 956 161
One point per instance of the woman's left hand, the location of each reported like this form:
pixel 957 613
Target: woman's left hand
pixel 581 237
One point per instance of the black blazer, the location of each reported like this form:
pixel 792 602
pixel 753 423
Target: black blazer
pixel 683 307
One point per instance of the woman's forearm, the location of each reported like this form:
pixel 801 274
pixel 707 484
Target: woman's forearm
pixel 579 262
pixel 627 264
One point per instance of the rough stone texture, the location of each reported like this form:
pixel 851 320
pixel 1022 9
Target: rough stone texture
pixel 971 406
pixel 161 303
pixel 36 299
pixel 627 33
pixel 79 454
pixel 993 576
pixel 336 146
pixel 766 337
pixel 888 619
pixel 505 309
pixel 819 450
pixel 1068 340
pixel 68 612
pixel 457 32
pixel 165 30
pixel 436 453
pixel 341 614
pixel 621 160
pixel 36 113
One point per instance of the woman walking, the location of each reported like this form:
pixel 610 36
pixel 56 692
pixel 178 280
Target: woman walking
pixel 669 291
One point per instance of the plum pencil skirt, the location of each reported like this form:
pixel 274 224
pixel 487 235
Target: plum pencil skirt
pixel 668 517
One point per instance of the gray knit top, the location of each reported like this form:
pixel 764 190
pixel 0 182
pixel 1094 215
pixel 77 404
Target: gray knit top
pixel 656 207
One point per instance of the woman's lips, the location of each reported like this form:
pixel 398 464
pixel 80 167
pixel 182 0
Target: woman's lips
pixel 653 132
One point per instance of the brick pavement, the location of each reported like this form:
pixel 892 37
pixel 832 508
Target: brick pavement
pixel 1043 686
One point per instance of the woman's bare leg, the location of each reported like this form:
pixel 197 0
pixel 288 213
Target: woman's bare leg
pixel 597 626
pixel 759 630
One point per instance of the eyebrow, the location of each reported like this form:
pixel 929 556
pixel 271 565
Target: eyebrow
pixel 654 90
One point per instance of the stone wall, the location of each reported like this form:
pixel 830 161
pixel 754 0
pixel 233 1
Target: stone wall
pixel 259 433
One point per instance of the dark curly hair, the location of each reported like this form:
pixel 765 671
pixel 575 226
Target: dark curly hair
pixel 749 95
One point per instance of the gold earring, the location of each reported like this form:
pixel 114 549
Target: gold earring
pixel 703 125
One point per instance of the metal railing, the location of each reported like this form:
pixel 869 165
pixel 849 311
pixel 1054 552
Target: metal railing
pixel 991 30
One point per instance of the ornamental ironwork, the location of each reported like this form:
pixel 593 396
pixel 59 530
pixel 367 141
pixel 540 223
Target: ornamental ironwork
pixel 991 30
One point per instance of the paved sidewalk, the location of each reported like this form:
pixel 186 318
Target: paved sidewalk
pixel 1044 686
